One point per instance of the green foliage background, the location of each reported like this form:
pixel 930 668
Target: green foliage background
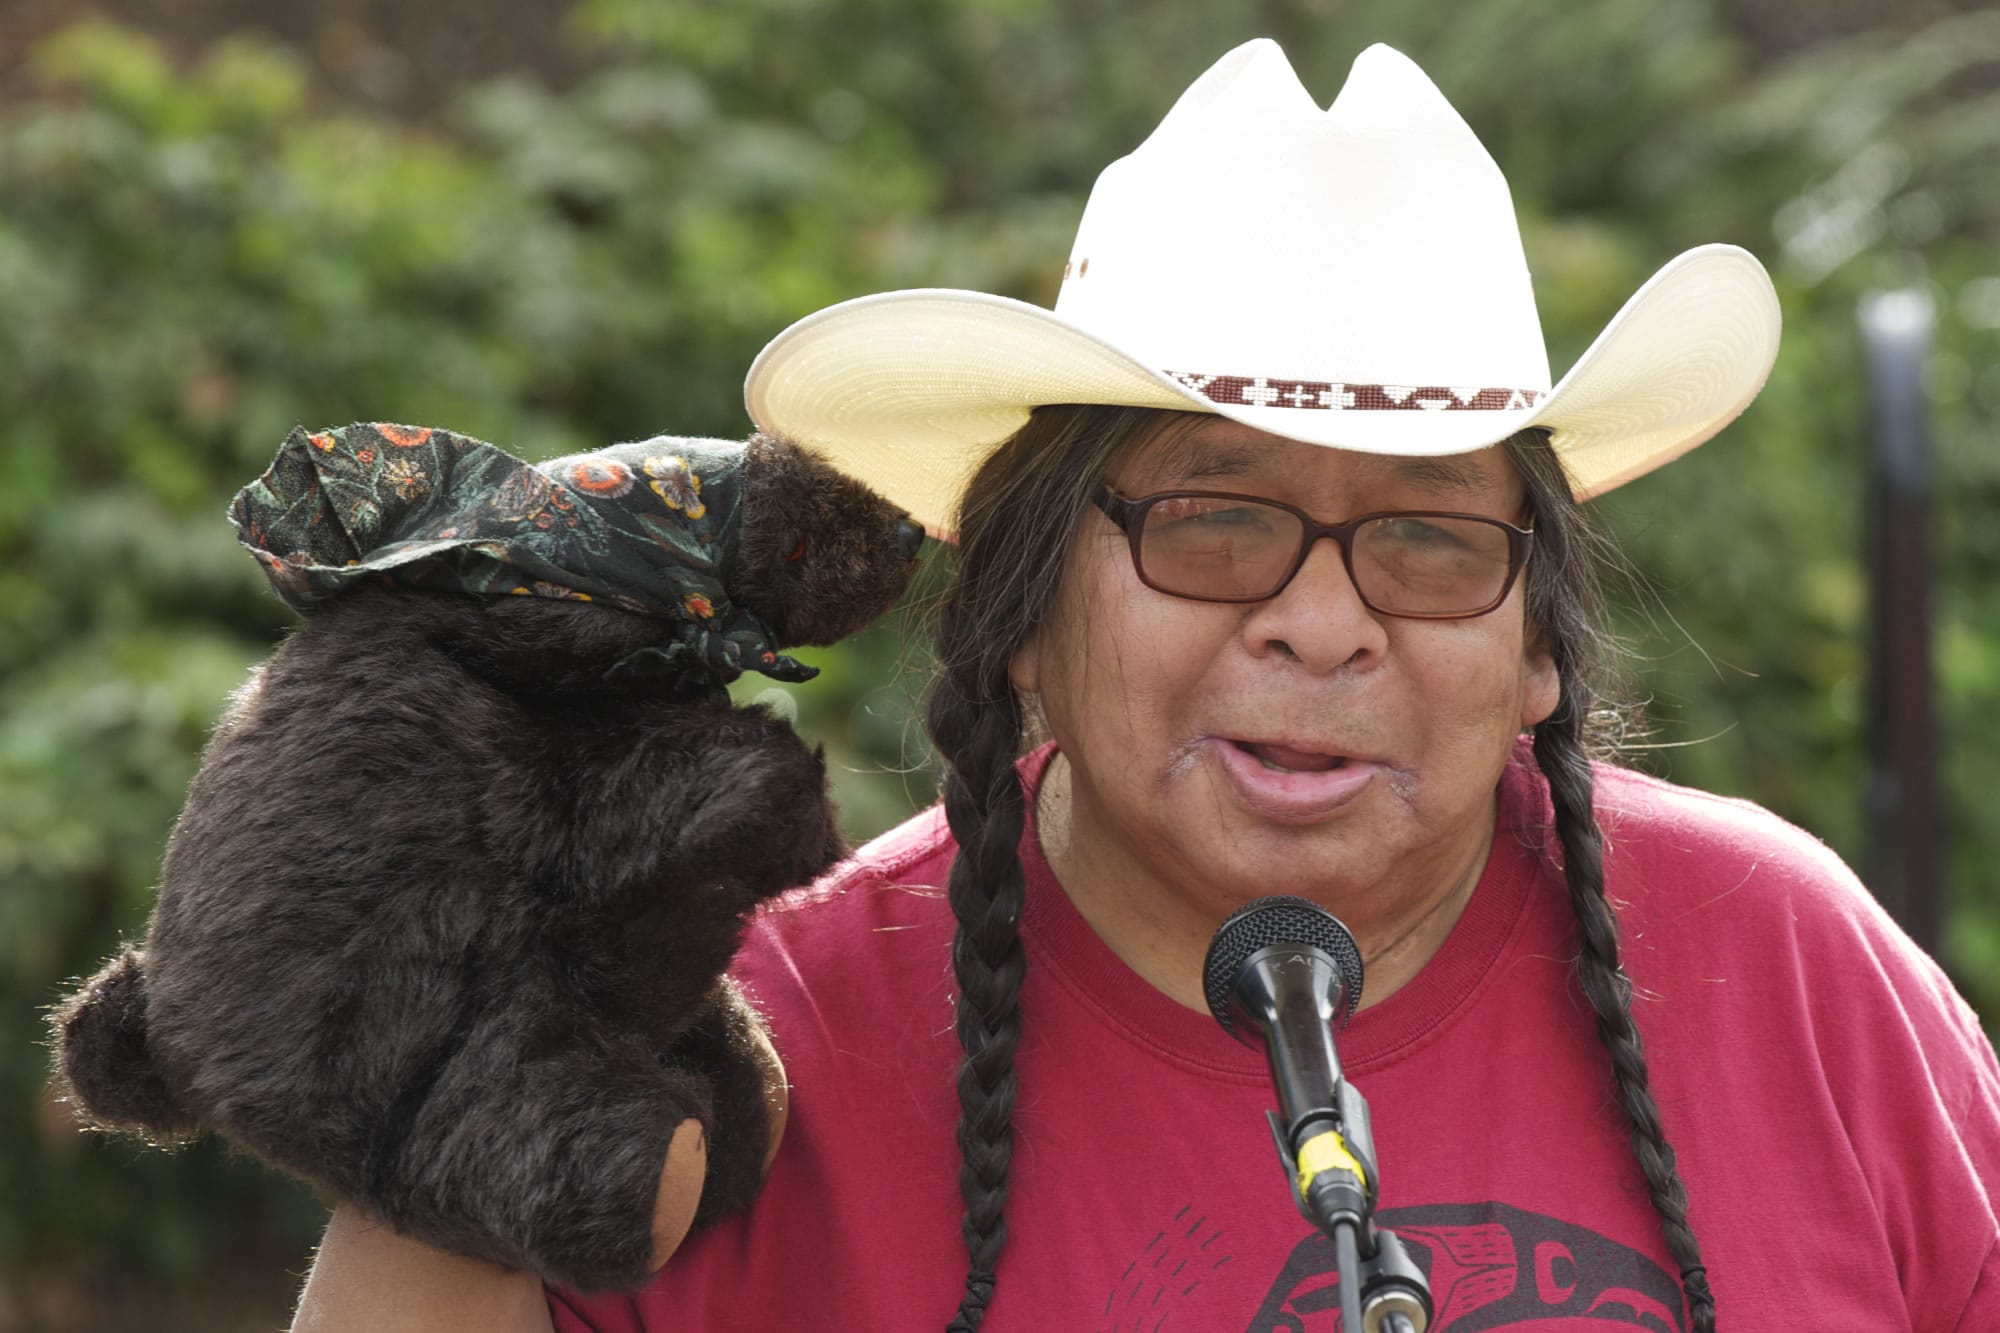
pixel 195 257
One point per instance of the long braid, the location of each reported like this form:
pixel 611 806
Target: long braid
pixel 1016 525
pixel 983 803
pixel 1563 607
pixel 1560 752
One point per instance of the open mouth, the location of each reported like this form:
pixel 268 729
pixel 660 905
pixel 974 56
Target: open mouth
pixel 1285 759
pixel 1292 784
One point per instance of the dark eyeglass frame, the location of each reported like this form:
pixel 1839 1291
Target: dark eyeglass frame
pixel 1129 514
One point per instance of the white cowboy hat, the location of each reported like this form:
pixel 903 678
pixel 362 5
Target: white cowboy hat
pixel 1350 277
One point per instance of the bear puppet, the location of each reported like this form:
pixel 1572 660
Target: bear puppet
pixel 442 926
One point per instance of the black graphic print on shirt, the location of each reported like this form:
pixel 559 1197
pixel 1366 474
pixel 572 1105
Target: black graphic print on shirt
pixel 1490 1267
pixel 1187 1252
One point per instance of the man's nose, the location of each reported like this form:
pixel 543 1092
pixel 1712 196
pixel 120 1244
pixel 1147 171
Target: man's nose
pixel 1318 619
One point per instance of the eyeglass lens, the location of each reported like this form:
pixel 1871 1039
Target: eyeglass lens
pixel 1408 564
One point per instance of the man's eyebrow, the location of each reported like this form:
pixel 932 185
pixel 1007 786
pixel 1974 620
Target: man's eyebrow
pixel 1189 457
pixel 1193 455
pixel 1445 474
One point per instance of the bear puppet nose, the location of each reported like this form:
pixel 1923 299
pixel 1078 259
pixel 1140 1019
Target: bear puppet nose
pixel 909 538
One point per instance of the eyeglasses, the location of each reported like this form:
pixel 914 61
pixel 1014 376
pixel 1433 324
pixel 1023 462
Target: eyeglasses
pixel 1216 547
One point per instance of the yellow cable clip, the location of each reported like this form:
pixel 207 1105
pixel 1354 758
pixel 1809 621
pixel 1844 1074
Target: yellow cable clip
pixel 1326 1151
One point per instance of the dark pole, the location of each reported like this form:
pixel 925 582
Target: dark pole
pixel 1906 828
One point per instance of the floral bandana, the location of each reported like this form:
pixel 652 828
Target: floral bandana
pixel 647 527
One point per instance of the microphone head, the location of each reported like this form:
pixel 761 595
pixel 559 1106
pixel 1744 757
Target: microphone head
pixel 1273 921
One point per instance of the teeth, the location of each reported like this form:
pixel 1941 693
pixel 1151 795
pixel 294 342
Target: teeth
pixel 1275 768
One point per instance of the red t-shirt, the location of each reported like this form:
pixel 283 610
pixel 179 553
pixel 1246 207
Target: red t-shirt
pixel 1834 1104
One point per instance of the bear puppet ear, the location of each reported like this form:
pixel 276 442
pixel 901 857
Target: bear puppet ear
pixel 425 507
pixel 316 512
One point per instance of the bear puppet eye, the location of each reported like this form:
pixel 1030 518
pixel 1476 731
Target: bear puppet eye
pixel 798 548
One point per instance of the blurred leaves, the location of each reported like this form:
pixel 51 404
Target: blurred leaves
pixel 195 258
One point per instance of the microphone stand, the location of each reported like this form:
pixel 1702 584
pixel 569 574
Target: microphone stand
pixel 1334 1185
pixel 1328 1155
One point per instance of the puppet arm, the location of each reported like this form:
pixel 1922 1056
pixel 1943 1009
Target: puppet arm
pixel 710 793
pixel 369 1277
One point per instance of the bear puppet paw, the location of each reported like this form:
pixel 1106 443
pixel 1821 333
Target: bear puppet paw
pixel 585 1160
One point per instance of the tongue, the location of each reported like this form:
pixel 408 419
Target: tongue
pixel 1298 760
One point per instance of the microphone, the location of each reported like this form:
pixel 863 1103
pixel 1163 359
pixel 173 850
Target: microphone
pixel 1285 973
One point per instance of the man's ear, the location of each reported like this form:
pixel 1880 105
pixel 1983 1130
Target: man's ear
pixel 1024 668
pixel 1541 684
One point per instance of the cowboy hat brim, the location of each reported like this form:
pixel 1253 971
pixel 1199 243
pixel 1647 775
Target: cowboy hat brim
pixel 912 390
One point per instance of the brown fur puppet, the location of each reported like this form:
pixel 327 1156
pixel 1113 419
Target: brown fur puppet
pixel 443 923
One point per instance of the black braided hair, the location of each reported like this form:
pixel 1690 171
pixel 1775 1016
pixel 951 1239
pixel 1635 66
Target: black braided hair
pixel 1565 609
pixel 1017 521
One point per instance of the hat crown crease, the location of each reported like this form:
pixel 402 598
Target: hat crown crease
pixel 1385 246
pixel 1251 84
